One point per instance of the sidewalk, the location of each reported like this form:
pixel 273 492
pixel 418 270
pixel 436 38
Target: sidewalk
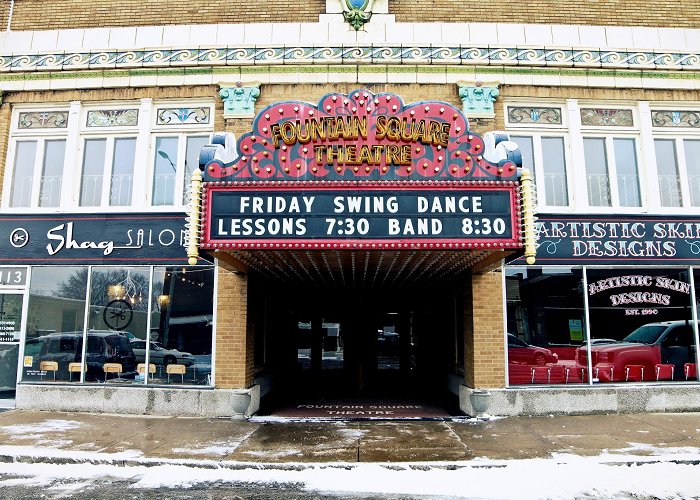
pixel 50 437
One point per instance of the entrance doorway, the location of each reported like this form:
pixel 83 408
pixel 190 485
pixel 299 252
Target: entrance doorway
pixel 11 307
pixel 359 346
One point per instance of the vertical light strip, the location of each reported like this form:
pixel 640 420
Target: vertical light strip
pixel 193 217
pixel 528 211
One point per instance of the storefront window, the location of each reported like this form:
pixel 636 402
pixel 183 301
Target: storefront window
pixel 640 324
pixel 545 323
pixel 177 349
pixel 55 322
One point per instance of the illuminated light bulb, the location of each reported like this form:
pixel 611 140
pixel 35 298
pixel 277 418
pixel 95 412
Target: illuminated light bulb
pixel 339 169
pixel 458 153
pixel 265 130
pixel 454 170
pixel 500 170
pixel 479 158
pixel 477 147
pixel 235 167
pixel 427 108
pixel 455 116
pixel 281 111
pixel 253 138
pixel 384 169
pixel 376 101
pixel 458 129
pixel 286 170
pixel 470 137
pixel 296 109
pixel 298 165
pixel 283 158
pixel 354 109
pixel 211 168
pixel 442 110
pixel 268 170
pixel 356 169
pixel 335 98
pixel 265 153
pixel 409 170
pixel 417 150
pixel 311 112
pixel 425 165
pixel 284 148
pixel 257 170
pixel 437 169
pixel 305 150
pixel 413 112
pixel 267 117
pixel 314 170
pixel 328 107
pixel 244 159
pixel 439 158
pixel 223 171
pixel 255 158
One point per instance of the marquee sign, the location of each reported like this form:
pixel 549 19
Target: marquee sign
pixel 360 170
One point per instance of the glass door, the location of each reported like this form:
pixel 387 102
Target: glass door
pixel 11 307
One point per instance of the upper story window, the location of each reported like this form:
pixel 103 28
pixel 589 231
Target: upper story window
pixel 677 149
pixel 540 133
pixel 178 136
pixel 610 143
pixel 137 154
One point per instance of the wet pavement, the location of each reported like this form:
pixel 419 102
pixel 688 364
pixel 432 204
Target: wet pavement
pixel 76 435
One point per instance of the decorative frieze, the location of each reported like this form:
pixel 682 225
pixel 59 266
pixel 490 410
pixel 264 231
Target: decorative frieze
pixel 679 119
pixel 606 117
pixel 113 118
pixel 183 116
pixel 43 119
pixel 536 115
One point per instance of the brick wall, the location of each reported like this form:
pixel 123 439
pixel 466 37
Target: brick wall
pixel 64 14
pixel 677 14
pixel 234 337
pixel 61 14
pixel 5 114
pixel 484 350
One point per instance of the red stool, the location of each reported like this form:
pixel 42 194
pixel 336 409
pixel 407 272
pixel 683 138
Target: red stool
pixel 664 371
pixel 690 371
pixel 541 369
pixel 575 371
pixel 604 370
pixel 634 373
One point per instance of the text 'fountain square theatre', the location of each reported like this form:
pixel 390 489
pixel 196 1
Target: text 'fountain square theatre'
pixel 312 212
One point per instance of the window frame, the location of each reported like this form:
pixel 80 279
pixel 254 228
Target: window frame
pixel 536 132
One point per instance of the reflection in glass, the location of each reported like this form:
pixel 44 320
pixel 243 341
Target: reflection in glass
pixel 181 326
pixel 667 173
pixel 640 323
pixel 626 172
pixel 545 321
pixel 554 168
pixel 52 174
pixel 56 311
pixel 22 174
pixel 597 179
pixel 194 146
pixel 93 172
pixel 122 171
pixel 165 167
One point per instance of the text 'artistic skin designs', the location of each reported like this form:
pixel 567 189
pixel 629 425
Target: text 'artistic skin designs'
pixel 361 171
pixel 360 136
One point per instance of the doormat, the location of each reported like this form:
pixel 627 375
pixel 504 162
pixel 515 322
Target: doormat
pixel 361 411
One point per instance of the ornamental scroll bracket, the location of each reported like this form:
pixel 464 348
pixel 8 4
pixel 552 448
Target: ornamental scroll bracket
pixel 357 12
pixel 239 100
pixel 478 99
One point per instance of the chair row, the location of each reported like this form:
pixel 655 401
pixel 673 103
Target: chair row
pixel 633 373
pixel 114 368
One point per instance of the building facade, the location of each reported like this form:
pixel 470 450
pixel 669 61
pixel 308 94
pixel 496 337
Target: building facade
pixel 105 111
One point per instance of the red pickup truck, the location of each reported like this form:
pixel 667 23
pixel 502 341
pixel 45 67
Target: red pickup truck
pixel 667 342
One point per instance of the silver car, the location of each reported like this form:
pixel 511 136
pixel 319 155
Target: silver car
pixel 160 355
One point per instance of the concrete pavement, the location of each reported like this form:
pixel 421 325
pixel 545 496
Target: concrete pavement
pixel 75 437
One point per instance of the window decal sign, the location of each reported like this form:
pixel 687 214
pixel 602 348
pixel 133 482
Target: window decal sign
pixel 359 170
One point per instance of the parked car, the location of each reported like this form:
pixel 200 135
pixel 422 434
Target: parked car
pixel 521 352
pixel 668 342
pixel 160 355
pixel 104 346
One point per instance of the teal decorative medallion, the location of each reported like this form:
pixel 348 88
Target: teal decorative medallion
pixel 357 12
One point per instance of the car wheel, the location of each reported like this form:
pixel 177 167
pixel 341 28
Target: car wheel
pixel 169 360
pixel 540 359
